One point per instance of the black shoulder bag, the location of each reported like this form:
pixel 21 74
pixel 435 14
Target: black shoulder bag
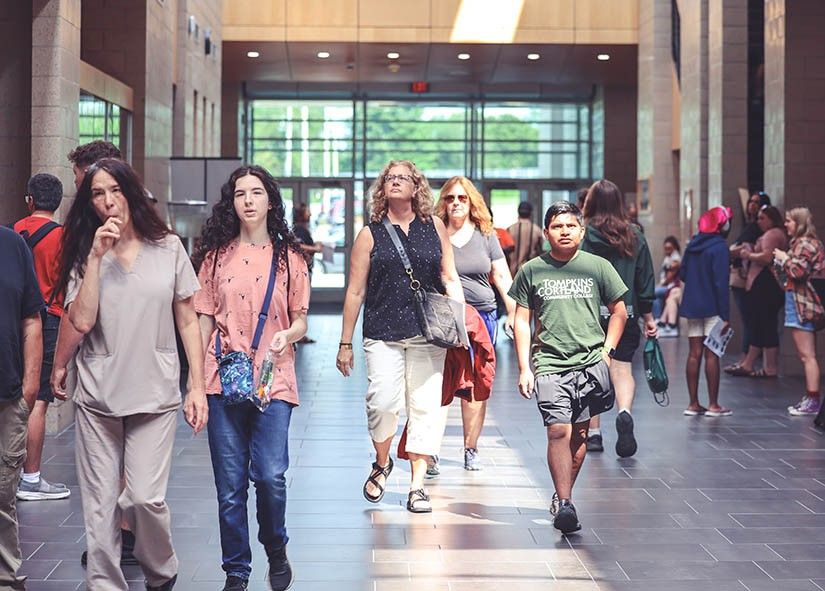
pixel 440 318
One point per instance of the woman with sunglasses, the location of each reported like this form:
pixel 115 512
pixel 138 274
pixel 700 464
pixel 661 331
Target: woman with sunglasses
pixel 480 263
pixel 403 369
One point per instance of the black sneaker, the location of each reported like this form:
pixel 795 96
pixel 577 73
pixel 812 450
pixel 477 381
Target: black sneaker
pixel 167 586
pixel 280 571
pixel 234 583
pixel 127 550
pixel 594 443
pixel 566 520
pixel 626 442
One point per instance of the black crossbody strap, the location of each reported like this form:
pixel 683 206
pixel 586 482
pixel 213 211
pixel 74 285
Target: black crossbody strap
pixel 402 252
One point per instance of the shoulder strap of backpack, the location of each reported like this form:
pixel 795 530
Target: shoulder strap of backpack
pixel 43 231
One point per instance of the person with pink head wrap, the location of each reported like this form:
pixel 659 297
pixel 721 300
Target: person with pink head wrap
pixel 705 272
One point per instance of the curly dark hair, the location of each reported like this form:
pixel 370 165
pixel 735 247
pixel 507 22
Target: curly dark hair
pixel 422 199
pixel 604 209
pixel 82 221
pixel 224 225
pixel 89 153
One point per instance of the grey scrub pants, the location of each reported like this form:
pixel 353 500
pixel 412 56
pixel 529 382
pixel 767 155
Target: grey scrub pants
pixel 138 447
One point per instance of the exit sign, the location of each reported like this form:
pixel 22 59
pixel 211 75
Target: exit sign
pixel 419 87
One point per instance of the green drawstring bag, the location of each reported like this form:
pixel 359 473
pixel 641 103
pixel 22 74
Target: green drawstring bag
pixel 655 372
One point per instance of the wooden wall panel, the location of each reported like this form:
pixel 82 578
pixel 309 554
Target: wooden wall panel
pixel 424 21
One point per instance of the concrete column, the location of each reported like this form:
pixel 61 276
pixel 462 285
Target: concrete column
pixel 134 41
pixel 620 136
pixel 794 98
pixel 727 102
pixel 15 107
pixel 795 118
pixel 153 138
pixel 55 90
pixel 231 125
pixel 655 97
pixel 693 162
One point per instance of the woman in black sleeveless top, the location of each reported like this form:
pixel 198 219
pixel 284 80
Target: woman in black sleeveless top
pixel 403 370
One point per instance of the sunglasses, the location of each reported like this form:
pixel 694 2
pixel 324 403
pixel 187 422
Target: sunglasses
pixel 451 198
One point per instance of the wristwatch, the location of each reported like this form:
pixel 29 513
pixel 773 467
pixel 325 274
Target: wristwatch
pixel 611 351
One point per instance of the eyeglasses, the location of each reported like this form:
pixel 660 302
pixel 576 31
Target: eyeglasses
pixel 452 198
pixel 391 178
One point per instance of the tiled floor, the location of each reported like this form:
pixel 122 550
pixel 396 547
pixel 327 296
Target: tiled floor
pixel 724 504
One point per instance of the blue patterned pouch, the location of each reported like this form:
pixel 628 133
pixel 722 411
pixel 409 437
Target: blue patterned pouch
pixel 236 373
pixel 235 368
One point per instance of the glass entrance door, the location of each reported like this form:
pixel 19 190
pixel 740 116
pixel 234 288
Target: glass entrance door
pixel 332 225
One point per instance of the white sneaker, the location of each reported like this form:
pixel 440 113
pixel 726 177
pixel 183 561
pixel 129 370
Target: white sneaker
pixel 667 332
pixel 42 490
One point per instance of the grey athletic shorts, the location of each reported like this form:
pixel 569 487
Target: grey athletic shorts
pixel 574 396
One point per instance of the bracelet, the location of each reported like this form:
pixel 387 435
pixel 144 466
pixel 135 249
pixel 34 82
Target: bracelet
pixel 343 345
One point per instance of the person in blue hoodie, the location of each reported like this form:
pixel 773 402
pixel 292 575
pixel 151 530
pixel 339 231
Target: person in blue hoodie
pixel 705 272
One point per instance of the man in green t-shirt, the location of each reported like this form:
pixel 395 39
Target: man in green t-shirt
pixel 561 293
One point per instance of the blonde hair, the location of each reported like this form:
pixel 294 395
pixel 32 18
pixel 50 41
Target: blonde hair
pixel 422 199
pixel 804 222
pixel 479 213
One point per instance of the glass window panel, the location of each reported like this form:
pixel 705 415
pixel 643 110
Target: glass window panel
pixel 98 120
pixel 357 138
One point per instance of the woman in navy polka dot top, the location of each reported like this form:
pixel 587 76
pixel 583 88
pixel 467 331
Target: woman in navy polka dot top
pixel 403 370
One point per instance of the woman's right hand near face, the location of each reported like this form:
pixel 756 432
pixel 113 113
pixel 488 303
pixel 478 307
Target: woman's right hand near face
pixel 344 361
pixel 105 237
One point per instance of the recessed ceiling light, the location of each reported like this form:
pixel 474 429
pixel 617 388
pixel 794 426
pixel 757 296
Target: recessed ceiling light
pixel 533 56
pixel 322 55
pixel 603 57
pixel 463 56
pixel 253 54
pixel 393 55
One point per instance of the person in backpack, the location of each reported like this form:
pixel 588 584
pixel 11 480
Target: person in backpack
pixel 44 192
pixel 612 235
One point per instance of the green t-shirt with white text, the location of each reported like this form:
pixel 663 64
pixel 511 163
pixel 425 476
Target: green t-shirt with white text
pixel 565 298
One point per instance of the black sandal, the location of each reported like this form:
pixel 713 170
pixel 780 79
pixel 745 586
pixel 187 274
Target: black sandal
pixel 378 471
pixel 418 496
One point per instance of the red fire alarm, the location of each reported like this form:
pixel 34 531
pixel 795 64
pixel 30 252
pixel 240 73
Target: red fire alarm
pixel 419 86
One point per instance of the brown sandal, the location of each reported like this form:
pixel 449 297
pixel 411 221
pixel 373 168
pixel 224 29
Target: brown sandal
pixel 377 472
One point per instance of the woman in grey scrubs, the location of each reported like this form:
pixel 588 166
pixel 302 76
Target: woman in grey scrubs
pixel 128 283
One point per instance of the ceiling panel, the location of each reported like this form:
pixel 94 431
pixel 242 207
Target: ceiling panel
pixel 366 64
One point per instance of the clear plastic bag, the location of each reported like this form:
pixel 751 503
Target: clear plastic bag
pixel 260 397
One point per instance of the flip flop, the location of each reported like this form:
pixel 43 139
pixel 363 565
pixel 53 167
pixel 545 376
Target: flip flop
pixel 723 412
pixel 760 374
pixel 738 371
pixel 688 412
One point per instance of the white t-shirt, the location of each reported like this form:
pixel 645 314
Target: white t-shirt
pixel 667 264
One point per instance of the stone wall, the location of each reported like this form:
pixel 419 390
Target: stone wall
pixel 15 107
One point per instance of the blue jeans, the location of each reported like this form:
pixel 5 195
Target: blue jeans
pixel 247 444
pixel 659 294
